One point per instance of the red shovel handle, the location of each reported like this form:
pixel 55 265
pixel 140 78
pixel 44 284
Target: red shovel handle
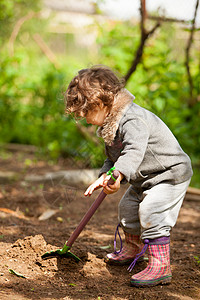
pixel 90 212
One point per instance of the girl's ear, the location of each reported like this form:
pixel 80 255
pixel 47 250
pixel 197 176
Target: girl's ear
pixel 100 104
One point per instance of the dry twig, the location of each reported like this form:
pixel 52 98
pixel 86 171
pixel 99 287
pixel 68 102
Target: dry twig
pixel 46 50
pixel 16 30
pixel 88 135
pixel 144 37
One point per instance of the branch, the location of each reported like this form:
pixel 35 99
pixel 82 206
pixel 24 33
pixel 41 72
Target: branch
pixel 143 38
pixel 143 14
pixel 192 194
pixel 164 19
pixel 151 32
pixel 16 30
pixel 46 50
pixel 88 135
pixel 187 52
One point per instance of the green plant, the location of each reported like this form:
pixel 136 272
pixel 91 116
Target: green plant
pixel 197 259
pixel 160 81
pixel 31 94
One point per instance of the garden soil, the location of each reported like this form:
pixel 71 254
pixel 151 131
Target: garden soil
pixel 24 238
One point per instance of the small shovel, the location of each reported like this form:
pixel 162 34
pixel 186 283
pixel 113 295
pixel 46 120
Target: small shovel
pixel 65 251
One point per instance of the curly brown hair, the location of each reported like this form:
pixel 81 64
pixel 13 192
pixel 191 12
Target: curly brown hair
pixel 90 87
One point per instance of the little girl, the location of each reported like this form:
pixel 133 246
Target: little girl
pixel 148 156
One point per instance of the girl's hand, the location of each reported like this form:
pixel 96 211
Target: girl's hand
pixel 111 189
pixel 102 182
pixel 96 185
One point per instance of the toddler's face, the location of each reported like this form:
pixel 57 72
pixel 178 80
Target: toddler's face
pixel 97 115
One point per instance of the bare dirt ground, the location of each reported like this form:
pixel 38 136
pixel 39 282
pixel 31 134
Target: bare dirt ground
pixel 24 238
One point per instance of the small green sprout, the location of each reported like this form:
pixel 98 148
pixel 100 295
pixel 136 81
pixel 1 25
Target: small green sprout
pixel 197 258
pixel 72 284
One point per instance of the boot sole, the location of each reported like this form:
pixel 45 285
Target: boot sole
pixel 122 263
pixel 146 283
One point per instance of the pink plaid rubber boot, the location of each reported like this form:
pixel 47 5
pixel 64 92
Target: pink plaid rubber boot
pixel 127 253
pixel 158 270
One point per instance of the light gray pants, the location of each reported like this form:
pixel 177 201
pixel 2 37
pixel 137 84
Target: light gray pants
pixel 151 213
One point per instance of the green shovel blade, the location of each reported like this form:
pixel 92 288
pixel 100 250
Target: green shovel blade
pixel 62 253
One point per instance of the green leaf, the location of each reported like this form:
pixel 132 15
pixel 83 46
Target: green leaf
pixel 15 273
pixel 105 247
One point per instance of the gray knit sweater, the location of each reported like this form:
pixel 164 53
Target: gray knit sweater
pixel 141 146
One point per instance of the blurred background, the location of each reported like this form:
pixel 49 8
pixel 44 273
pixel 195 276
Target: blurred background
pixel 155 45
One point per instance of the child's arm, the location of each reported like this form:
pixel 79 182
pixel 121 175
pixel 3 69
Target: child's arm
pixel 102 182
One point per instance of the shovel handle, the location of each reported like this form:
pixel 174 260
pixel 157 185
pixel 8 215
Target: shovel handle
pixel 91 211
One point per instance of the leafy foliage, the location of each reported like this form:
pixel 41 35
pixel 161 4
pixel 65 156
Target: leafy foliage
pixel 160 82
pixel 11 11
pixel 31 94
